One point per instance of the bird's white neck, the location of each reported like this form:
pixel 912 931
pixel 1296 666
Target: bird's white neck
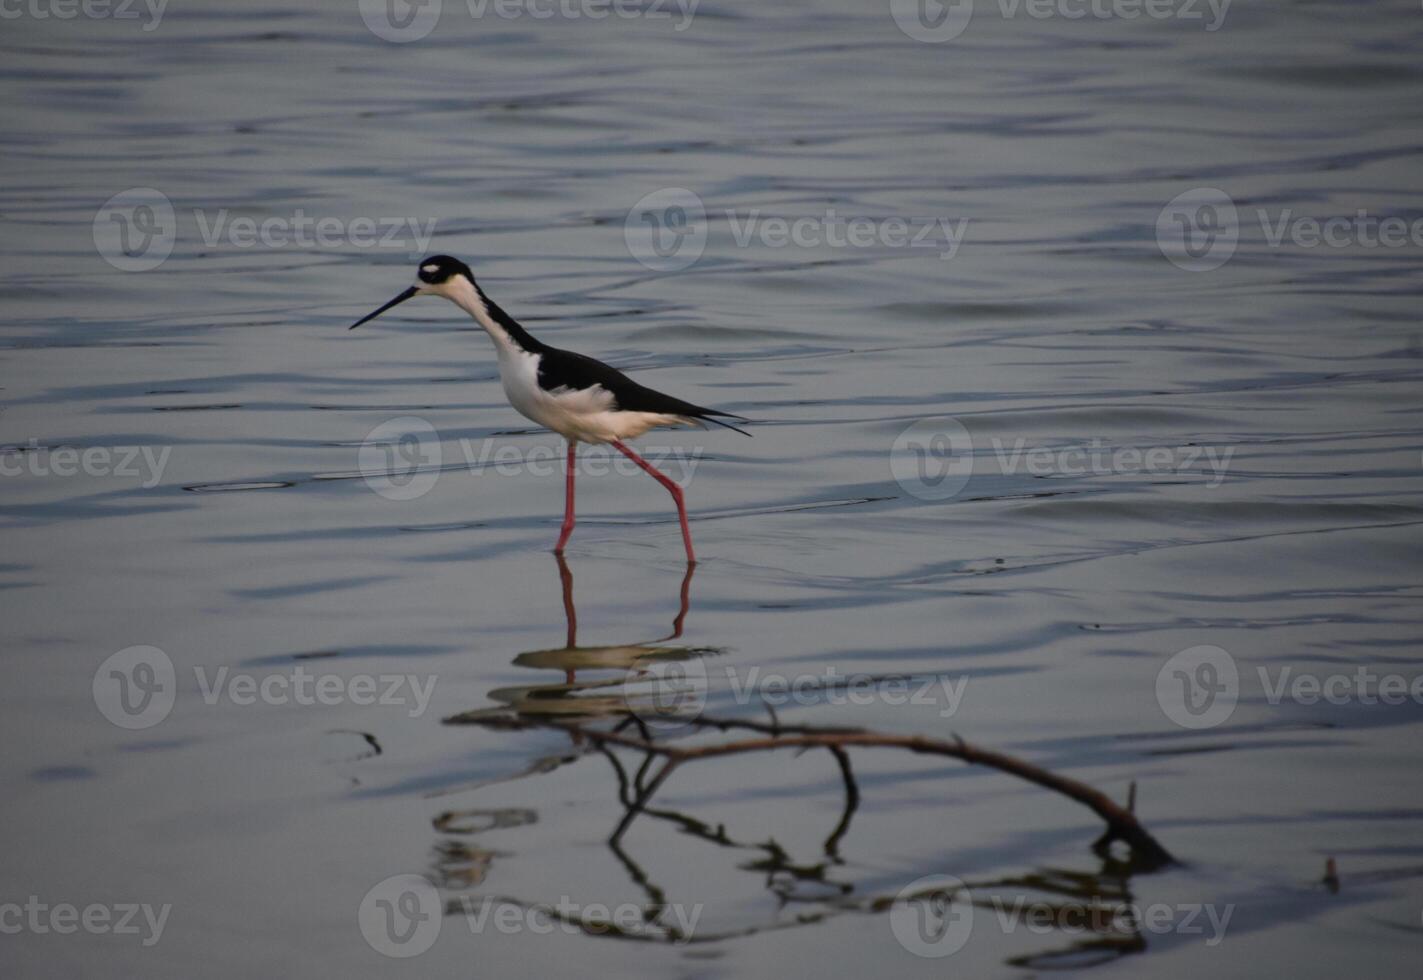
pixel 463 294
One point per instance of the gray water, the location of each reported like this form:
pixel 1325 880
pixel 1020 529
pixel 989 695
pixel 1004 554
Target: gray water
pixel 948 486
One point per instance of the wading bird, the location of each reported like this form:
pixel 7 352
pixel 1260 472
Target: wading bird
pixel 581 399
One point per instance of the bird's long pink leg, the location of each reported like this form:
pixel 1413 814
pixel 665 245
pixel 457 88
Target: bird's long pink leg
pixel 568 501
pixel 672 488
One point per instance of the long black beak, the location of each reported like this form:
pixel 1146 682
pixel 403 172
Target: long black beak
pixel 413 290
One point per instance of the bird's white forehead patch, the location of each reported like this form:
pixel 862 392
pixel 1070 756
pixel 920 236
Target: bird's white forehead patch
pixel 430 268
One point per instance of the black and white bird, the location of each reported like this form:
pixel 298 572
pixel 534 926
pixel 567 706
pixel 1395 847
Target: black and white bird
pixel 581 399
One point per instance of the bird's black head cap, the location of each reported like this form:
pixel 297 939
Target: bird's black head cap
pixel 438 269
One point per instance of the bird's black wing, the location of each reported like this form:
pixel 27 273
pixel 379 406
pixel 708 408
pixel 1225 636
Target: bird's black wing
pixel 565 369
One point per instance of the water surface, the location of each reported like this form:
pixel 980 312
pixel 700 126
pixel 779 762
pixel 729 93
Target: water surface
pixel 1054 595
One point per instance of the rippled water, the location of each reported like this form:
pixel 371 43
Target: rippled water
pixel 1278 520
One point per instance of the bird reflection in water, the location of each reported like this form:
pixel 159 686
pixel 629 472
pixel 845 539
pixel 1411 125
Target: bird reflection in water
pixel 807 890
pixel 611 664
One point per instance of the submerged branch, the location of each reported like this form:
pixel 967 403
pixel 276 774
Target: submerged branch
pixel 1121 822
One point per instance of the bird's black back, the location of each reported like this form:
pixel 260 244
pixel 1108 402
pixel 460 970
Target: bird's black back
pixel 565 369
